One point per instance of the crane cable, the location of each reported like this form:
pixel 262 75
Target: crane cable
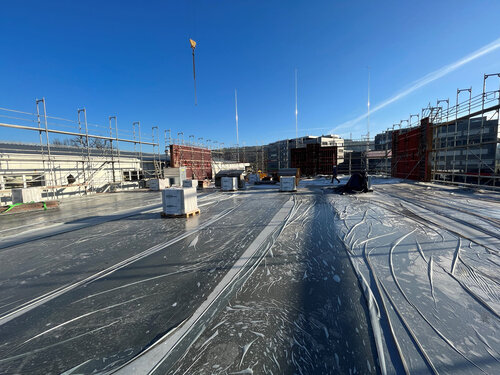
pixel 193 46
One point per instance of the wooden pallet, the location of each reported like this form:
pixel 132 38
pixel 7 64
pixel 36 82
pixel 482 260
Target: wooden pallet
pixel 186 215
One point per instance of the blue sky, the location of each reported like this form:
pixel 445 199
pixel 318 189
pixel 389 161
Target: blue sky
pixel 133 59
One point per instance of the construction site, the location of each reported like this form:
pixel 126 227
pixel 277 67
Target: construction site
pixel 104 271
pixel 239 188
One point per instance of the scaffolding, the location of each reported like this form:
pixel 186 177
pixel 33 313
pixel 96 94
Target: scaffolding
pixel 461 146
pixel 73 156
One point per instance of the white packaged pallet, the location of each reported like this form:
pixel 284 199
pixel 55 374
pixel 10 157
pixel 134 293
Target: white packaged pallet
pixel 190 183
pixel 27 195
pixel 175 176
pixel 158 184
pixel 229 183
pixel 287 183
pixel 179 201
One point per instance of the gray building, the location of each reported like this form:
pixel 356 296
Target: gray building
pixel 357 145
pixel 465 150
pixel 383 141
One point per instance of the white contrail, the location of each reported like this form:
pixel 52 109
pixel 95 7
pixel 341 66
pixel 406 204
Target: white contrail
pixel 426 80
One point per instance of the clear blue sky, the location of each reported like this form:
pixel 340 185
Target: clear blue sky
pixel 133 59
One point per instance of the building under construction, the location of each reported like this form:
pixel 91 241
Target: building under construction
pixel 328 148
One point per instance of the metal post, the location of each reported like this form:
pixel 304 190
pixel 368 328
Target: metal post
pixel 181 142
pixel 83 154
pixel 135 149
pixel 202 157
pixel 118 152
pixel 386 149
pixel 191 142
pixel 368 125
pixel 156 167
pixel 456 132
pixel 447 101
pixel 111 146
pixel 237 135
pixel 49 156
pixel 483 96
pixel 482 123
pixel 418 119
pixel 89 162
pixel 208 141
pixel 41 141
pixel 140 148
pixel 296 112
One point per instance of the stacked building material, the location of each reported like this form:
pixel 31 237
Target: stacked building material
pixel 239 174
pixel 179 202
pixel 157 184
pixel 287 183
pixel 27 195
pixel 190 183
pixel 175 175
pixel 229 183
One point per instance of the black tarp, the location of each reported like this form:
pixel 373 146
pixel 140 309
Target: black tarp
pixel 358 183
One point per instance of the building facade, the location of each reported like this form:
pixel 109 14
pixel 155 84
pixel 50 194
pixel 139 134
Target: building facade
pixel 279 153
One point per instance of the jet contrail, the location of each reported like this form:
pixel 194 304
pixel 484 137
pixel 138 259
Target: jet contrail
pixel 426 80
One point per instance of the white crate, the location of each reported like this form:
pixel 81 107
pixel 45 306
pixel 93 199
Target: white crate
pixel 158 184
pixel 178 201
pixel 229 183
pixel 287 183
pixel 175 175
pixel 27 195
pixel 190 183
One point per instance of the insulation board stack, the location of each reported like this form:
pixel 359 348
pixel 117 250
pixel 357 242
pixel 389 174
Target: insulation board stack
pixel 190 183
pixel 287 183
pixel 229 183
pixel 158 184
pixel 179 201
pixel 175 175
pixel 26 195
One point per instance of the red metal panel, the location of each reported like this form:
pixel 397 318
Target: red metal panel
pixel 410 152
pixel 197 160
